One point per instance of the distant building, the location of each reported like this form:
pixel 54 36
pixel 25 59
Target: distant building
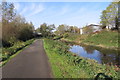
pixel 81 31
pixel 95 28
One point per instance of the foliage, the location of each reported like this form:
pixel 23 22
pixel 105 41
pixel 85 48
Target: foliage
pixel 46 30
pixel 64 29
pixel 105 38
pixel 26 32
pixel 8 12
pixel 71 36
pixel 14 27
pixel 61 29
pixel 7 52
pixel 68 65
pixel 109 16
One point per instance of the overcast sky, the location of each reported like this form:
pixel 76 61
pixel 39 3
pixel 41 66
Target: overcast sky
pixel 70 13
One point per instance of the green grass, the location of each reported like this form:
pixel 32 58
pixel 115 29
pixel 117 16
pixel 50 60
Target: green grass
pixel 72 36
pixel 105 38
pixel 8 53
pixel 67 65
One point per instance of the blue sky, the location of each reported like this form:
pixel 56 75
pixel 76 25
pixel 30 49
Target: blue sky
pixel 70 13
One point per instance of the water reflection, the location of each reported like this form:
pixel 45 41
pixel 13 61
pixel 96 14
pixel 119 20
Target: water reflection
pixel 101 55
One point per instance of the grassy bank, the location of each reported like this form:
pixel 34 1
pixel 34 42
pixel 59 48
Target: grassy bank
pixel 106 39
pixel 67 65
pixel 8 53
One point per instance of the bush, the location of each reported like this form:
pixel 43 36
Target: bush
pixel 7 52
pixel 66 35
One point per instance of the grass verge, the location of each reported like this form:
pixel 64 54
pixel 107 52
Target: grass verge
pixel 9 53
pixel 68 65
pixel 104 38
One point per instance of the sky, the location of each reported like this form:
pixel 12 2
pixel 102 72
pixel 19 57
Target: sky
pixel 71 13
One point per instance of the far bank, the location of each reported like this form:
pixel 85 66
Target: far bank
pixel 105 39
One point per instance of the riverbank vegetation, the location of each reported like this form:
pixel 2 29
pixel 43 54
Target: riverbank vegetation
pixel 9 52
pixel 14 26
pixel 104 38
pixel 68 65
pixel 16 32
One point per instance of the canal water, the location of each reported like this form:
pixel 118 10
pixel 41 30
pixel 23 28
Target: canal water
pixel 101 55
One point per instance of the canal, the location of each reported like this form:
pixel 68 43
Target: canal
pixel 101 55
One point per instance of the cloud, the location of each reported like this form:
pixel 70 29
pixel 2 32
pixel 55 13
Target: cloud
pixel 36 9
pixel 26 8
pixel 57 11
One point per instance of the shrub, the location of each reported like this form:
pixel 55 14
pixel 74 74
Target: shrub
pixel 7 52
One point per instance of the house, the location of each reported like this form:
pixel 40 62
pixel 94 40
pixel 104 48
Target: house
pixel 92 27
pixel 96 27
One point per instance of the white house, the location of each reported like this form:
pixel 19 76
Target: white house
pixel 96 27
pixel 81 31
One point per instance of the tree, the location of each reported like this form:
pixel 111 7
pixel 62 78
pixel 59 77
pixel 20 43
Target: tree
pixel 104 19
pixel 46 30
pixel 65 29
pixel 43 29
pixel 8 15
pixel 8 12
pixel 51 28
pixel 119 15
pixel 14 26
pixel 109 16
pixel 61 29
pixel 71 29
pixel 26 32
pixel 0 34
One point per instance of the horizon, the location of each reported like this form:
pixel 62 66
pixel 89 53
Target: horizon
pixel 70 13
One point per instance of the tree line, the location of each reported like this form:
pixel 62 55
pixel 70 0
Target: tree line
pixel 110 17
pixel 51 30
pixel 14 26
